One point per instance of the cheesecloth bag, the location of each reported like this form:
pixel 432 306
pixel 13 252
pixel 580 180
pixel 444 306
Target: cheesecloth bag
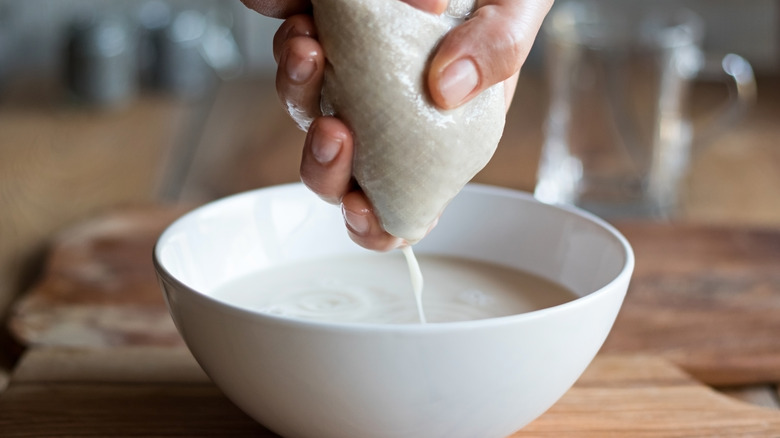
pixel 411 158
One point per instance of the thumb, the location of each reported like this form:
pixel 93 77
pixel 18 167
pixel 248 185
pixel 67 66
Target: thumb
pixel 488 48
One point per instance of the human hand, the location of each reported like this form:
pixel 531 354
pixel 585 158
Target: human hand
pixel 488 48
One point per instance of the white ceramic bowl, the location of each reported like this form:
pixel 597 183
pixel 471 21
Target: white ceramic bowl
pixel 485 378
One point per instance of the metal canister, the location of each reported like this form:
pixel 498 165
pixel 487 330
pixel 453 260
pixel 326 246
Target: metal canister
pixel 101 65
pixel 180 66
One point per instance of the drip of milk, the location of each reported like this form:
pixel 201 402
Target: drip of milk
pixel 374 288
pixel 417 279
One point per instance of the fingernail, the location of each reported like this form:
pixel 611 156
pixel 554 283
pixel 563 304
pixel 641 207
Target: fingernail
pixel 325 148
pixel 458 81
pixel 357 222
pixel 299 69
pixel 294 31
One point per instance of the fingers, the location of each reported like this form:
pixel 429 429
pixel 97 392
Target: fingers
pixel 433 6
pixel 363 226
pixel 326 169
pixel 297 25
pixel 278 9
pixel 301 68
pixel 326 164
pixel 488 48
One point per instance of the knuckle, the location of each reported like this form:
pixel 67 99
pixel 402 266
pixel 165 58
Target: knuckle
pixel 505 41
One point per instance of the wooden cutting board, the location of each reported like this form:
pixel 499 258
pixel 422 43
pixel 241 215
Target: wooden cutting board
pixel 153 391
pixel 706 298
pixel 98 286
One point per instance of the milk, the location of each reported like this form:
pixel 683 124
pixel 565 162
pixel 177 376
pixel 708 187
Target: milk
pixel 376 288
pixel 415 274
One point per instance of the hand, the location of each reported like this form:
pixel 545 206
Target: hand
pixel 488 48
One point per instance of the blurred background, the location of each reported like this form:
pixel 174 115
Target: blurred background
pixel 105 103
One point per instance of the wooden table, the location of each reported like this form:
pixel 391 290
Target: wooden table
pixel 149 391
pixel 102 357
pixel 61 163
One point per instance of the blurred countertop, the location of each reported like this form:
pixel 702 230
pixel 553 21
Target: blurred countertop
pixel 249 142
pixel 61 165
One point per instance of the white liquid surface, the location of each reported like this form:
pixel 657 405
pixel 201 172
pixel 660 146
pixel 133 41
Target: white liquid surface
pixel 376 288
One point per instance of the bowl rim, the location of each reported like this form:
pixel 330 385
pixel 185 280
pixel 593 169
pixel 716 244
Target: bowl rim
pixel 440 327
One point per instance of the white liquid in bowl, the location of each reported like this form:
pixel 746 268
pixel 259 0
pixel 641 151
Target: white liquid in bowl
pixel 376 288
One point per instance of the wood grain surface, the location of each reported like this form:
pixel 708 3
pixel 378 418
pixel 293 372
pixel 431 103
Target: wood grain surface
pixel 61 163
pixel 98 286
pixel 704 297
pixel 646 396
pixel 148 391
